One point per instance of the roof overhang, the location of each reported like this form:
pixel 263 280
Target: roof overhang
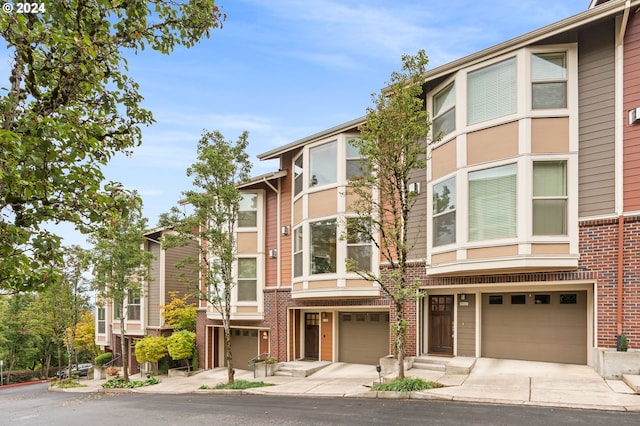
pixel 349 125
pixel 262 178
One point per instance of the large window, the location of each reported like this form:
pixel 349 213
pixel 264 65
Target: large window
pixel 323 164
pixel 492 92
pixel 549 198
pixel 444 212
pixel 355 164
pixel 298 175
pixel 102 323
pixel 297 252
pixel 323 246
pixel 248 212
pixel 133 307
pixel 444 111
pixel 492 203
pixel 247 279
pixel 359 243
pixel 549 80
pixel 117 310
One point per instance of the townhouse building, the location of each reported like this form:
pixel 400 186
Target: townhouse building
pixel 527 228
pixel 144 316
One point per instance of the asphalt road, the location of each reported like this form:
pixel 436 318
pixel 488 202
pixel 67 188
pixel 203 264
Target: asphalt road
pixel 34 405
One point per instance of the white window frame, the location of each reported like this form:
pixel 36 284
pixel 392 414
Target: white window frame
pixel 454 211
pixel 254 279
pixel 134 305
pixel 255 210
pixel 564 80
pixel 358 243
pixel 450 85
pixel 101 311
pixel 507 112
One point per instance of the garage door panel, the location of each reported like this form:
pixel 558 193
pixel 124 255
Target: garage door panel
pixel 554 332
pixel 363 337
pixel 244 347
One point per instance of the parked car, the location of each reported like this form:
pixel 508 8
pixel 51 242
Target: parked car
pixel 81 370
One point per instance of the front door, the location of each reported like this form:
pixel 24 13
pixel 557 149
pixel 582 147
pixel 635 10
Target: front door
pixel 311 335
pixel 441 325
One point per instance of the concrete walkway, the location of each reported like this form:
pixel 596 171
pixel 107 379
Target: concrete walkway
pixel 490 381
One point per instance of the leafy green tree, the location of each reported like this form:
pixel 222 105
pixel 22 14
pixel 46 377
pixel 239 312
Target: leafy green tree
pixel 121 265
pixel 393 143
pixel 220 166
pixel 180 345
pixel 151 349
pixel 18 346
pixel 85 337
pixel 179 313
pixel 68 106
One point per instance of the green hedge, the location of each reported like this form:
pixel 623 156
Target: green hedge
pixel 103 359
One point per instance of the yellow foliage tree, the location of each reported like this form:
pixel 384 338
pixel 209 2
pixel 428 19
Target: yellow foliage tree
pixel 179 313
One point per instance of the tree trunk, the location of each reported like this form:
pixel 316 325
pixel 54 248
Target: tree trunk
pixel 227 351
pixel 400 339
pixel 123 346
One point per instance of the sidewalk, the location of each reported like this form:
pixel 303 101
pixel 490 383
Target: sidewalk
pixel 490 381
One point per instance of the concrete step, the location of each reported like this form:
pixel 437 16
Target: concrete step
pixel 633 381
pixel 449 365
pixel 428 366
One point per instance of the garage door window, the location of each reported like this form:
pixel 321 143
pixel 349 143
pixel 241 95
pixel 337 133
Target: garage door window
pixel 542 299
pixel 518 299
pixel 568 299
pixel 495 299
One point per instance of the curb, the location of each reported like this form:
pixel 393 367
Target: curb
pixel 35 382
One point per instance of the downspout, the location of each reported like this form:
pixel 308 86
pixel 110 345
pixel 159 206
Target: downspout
pixel 619 161
pixel 278 262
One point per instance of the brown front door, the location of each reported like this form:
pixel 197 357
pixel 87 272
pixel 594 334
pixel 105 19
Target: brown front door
pixel 311 335
pixel 441 325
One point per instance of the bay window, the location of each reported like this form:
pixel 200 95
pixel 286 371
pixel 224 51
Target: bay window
pixel 133 306
pixel 550 198
pixel 444 111
pixel 298 175
pixel 492 203
pixel 444 212
pixel 491 92
pixel 549 80
pixel 297 252
pixel 323 164
pixel 359 243
pixel 355 163
pixel 247 279
pixel 323 238
pixel 102 323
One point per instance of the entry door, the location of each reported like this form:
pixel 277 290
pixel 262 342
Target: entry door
pixel 311 335
pixel 441 325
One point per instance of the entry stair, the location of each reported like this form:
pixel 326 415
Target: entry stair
pixel 633 381
pixel 300 368
pixel 447 365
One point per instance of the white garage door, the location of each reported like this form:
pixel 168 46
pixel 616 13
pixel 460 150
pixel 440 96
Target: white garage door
pixel 363 337
pixel 536 326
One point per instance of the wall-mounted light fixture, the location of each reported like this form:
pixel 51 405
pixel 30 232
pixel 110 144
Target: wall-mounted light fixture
pixel 273 253
pixel 414 187
pixel 634 115
pixel 285 230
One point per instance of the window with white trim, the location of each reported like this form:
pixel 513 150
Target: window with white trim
pixel 323 164
pixel 444 111
pixel 117 310
pixel 491 91
pixel 298 175
pixel 297 252
pixel 355 163
pixel 248 211
pixel 102 323
pixel 247 279
pixel 323 239
pixel 493 203
pixel 444 212
pixel 549 80
pixel 133 306
pixel 550 198
pixel 359 243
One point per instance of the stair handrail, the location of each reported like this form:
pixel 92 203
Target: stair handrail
pixel 259 358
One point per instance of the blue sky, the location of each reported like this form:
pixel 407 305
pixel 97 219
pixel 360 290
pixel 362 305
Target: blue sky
pixel 285 69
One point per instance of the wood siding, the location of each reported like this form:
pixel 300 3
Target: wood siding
pixel 153 290
pixel 173 281
pixel 596 86
pixel 272 233
pixel 286 220
pixel 631 162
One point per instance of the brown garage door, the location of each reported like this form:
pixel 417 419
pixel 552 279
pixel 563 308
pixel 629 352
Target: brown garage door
pixel 244 346
pixel 363 337
pixel 535 326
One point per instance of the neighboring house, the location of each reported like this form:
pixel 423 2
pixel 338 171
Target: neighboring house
pixel 144 315
pixel 526 231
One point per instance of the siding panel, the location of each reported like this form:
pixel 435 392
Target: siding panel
pixel 631 162
pixel 153 290
pixel 596 135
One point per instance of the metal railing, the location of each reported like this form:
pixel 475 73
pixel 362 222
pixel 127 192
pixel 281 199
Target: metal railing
pixel 263 357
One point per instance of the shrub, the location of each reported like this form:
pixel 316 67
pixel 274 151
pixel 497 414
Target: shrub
pixel 408 384
pixel 103 359
pixel 118 383
pixel 242 384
